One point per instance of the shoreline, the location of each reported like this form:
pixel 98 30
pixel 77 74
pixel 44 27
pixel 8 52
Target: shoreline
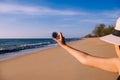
pixel 10 55
pixel 31 51
pixel 57 64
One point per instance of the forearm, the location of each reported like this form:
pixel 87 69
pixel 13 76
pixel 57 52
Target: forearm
pixel 79 55
pixel 108 64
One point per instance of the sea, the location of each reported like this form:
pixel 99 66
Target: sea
pixel 10 48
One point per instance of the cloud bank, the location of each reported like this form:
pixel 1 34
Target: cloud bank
pixel 20 18
pixel 32 10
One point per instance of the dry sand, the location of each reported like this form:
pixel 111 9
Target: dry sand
pixel 57 64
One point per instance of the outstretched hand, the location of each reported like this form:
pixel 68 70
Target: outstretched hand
pixel 60 39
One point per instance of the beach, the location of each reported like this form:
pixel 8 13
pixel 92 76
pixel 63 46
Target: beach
pixel 58 64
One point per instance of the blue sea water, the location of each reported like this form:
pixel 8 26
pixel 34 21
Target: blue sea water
pixel 15 47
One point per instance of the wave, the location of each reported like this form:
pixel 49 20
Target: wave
pixel 23 47
pixel 15 45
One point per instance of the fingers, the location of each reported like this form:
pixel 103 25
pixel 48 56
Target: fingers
pixel 55 39
pixel 60 39
pixel 60 35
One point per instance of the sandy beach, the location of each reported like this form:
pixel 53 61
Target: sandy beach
pixel 57 64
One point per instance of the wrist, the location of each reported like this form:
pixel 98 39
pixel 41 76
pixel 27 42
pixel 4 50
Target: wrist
pixel 62 45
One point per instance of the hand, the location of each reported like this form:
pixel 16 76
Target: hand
pixel 60 39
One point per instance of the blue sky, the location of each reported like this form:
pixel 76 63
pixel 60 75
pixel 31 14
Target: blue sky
pixel 39 18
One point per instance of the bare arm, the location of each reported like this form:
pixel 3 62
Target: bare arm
pixel 108 64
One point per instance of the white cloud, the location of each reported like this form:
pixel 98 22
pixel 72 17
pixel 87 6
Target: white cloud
pixel 106 17
pixel 31 10
pixel 112 13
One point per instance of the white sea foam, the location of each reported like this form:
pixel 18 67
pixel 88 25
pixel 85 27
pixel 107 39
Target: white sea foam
pixel 24 52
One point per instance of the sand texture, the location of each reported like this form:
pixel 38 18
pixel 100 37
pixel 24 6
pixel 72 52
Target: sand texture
pixel 57 64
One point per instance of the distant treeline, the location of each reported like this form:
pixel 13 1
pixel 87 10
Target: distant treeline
pixel 101 30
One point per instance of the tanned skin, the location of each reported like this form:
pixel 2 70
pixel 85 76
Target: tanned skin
pixel 107 64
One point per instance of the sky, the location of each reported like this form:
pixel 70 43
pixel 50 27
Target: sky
pixel 39 18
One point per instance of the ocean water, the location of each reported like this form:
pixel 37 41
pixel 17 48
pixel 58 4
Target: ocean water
pixel 10 48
